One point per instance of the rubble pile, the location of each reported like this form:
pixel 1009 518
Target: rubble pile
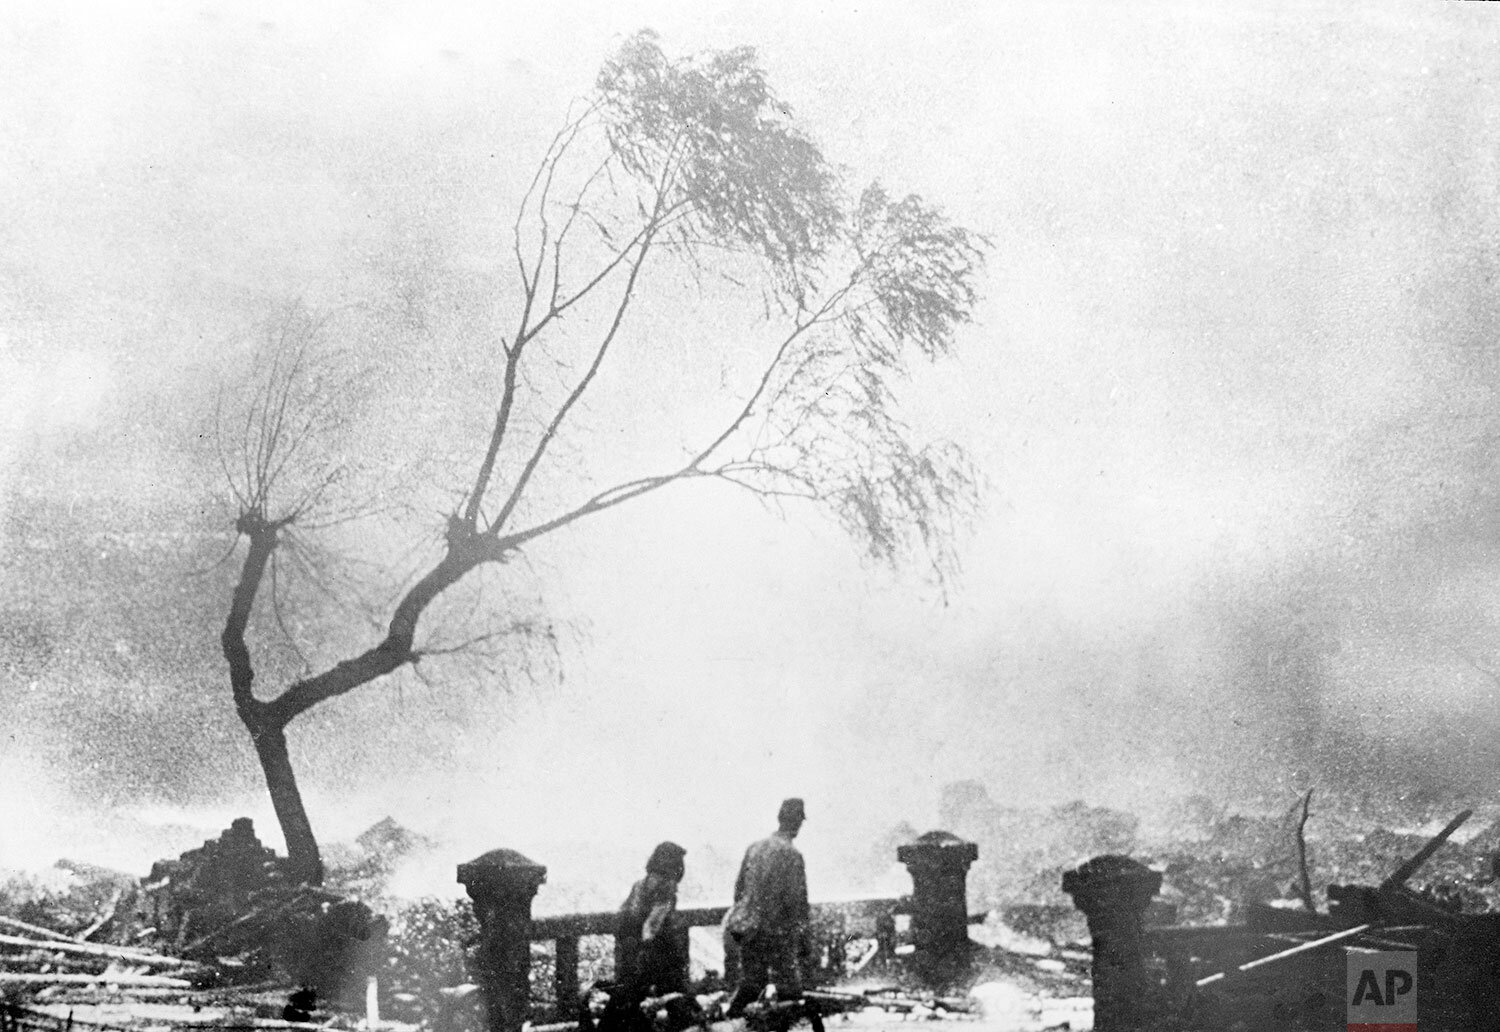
pixel 188 900
pixel 224 928
pixel 218 935
pixel 1215 881
pixel 227 917
pixel 231 904
pixel 73 898
pixel 1023 850
pixel 1258 909
pixel 1217 864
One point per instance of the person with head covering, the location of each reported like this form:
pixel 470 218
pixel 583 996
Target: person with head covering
pixel 650 947
pixel 767 925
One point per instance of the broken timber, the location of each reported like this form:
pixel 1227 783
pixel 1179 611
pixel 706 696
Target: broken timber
pixel 1306 947
pixel 107 978
pixel 94 949
pixel 51 934
pixel 1399 877
pixel 1282 964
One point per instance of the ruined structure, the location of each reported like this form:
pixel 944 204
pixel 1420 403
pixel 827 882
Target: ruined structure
pixel 1283 969
pixel 233 900
pixel 204 889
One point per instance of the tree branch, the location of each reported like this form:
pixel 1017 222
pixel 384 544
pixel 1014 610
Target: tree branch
pixel 562 235
pixel 466 550
pixel 627 295
pixel 543 175
pixel 801 327
pixel 526 330
pixel 633 489
pixel 263 537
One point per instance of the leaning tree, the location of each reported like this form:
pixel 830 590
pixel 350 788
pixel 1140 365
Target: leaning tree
pixel 672 164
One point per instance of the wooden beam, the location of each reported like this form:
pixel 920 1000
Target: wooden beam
pixel 105 979
pixel 1406 870
pixel 1306 947
pixel 94 949
pixel 50 934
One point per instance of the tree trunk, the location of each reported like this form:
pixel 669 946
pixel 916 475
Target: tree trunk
pixel 301 847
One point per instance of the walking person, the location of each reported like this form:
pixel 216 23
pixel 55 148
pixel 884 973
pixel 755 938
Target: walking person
pixel 768 924
pixel 650 946
pixel 651 952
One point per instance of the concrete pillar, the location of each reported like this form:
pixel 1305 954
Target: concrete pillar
pixel 1113 892
pixel 939 866
pixel 502 884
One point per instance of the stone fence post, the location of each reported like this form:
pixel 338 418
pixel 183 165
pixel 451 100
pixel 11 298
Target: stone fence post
pixel 1113 892
pixel 502 884
pixel 939 866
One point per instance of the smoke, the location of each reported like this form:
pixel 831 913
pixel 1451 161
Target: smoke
pixel 1233 393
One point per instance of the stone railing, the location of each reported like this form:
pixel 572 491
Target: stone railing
pixel 502 884
pixel 876 917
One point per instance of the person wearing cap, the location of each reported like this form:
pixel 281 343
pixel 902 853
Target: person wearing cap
pixel 651 948
pixel 767 925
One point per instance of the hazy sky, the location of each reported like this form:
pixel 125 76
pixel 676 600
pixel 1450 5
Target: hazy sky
pixel 1233 388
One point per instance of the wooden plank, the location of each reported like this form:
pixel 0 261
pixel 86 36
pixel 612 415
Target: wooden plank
pixel 1190 935
pixel 1406 870
pixel 50 934
pixel 1327 940
pixel 105 979
pixel 114 907
pixel 94 949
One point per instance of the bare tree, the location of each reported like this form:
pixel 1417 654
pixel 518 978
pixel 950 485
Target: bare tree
pixel 687 164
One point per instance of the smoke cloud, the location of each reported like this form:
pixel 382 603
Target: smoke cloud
pixel 1233 394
